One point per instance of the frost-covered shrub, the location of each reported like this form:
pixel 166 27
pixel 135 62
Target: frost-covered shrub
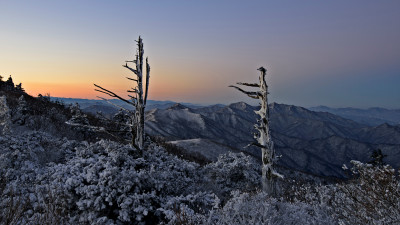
pixel 106 182
pixel 98 183
pixel 77 116
pixel 259 208
pixel 20 113
pixel 5 118
pixel 23 161
pixel 232 171
pixel 189 209
pixel 372 197
pixel 12 206
pixel 123 123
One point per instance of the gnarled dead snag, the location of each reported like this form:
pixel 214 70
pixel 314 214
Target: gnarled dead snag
pixel 263 136
pixel 139 99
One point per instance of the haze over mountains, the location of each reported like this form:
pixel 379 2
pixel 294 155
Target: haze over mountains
pixel 314 142
pixel 372 116
pixel 94 106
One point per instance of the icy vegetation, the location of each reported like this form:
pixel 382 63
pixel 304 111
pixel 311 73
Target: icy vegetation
pixel 59 181
pixel 54 172
pixel 107 183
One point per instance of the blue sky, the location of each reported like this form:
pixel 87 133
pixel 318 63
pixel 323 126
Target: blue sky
pixel 334 53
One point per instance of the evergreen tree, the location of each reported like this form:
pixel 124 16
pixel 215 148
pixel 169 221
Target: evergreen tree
pixel 19 88
pixel 377 158
pixel 9 84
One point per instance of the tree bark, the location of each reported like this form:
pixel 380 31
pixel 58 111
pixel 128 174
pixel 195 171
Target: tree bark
pixel 263 136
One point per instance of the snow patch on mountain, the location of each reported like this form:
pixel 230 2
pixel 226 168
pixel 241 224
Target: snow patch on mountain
pixel 207 148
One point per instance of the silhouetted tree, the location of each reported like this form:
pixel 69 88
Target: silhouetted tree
pixel 377 158
pixel 19 88
pixel 138 96
pixel 9 84
pixel 45 98
pixel 263 136
pixel 1 82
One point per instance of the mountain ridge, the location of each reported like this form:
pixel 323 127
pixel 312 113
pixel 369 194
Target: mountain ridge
pixel 324 140
pixel 372 116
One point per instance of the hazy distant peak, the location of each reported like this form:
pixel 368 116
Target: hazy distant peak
pixel 320 107
pixel 178 106
pixel 217 106
pixel 283 107
pixel 385 125
pixel 272 105
pixel 378 109
pixel 240 105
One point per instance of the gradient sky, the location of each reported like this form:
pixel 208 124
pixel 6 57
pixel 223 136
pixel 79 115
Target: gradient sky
pixel 334 53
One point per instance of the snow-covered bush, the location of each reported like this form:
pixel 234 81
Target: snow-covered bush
pixel 108 182
pixel 371 197
pixel 23 160
pixel 5 118
pixel 21 111
pixel 98 183
pixel 260 208
pixel 189 209
pixel 232 171
pixel 123 123
pixel 77 116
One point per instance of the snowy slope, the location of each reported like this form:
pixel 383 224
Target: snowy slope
pixel 205 147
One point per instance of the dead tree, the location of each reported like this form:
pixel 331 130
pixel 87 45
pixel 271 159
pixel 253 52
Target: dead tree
pixel 138 96
pixel 263 136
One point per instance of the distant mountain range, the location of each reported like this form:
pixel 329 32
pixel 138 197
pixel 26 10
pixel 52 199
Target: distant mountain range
pixel 110 108
pixel 314 142
pixel 372 116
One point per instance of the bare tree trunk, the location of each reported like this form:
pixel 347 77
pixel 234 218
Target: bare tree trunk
pixel 140 97
pixel 263 136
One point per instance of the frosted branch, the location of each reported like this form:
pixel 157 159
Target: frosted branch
pixel 131 69
pixel 131 79
pixel 251 94
pixel 110 93
pixel 249 84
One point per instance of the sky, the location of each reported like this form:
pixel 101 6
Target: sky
pixel 334 53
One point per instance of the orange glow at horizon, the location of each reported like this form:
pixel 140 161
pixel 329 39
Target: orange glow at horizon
pixel 60 90
pixel 161 88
